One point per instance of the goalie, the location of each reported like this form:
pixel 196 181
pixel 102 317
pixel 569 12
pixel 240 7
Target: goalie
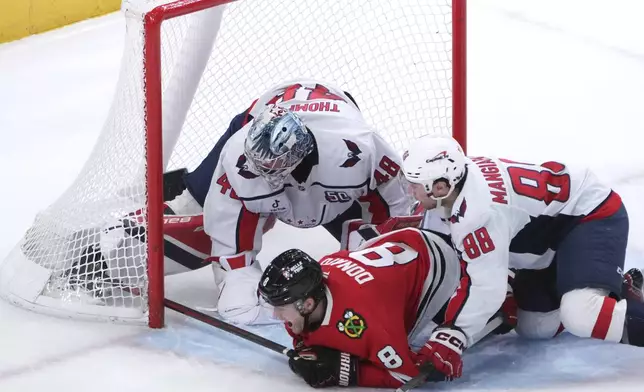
pixel 301 153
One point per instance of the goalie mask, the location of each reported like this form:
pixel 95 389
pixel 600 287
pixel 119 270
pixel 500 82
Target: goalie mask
pixel 292 277
pixel 276 143
pixel 430 159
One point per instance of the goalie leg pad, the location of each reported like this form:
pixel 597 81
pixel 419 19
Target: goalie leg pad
pixel 186 246
pixel 590 312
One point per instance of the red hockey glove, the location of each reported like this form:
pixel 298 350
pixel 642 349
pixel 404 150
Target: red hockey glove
pixel 509 312
pixel 444 349
pixel 508 308
pixel 325 367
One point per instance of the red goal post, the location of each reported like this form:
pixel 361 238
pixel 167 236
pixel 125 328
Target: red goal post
pixel 176 82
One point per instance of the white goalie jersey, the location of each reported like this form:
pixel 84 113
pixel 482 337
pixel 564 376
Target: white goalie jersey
pixel 350 163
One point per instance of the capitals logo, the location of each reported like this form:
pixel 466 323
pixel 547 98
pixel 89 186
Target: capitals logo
pixel 353 325
pixel 352 155
pixel 459 214
pixel 242 165
pixel 438 157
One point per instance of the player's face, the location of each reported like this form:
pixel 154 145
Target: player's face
pixel 290 315
pixel 419 193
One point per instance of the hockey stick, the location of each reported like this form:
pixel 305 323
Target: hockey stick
pixel 224 326
pixel 421 378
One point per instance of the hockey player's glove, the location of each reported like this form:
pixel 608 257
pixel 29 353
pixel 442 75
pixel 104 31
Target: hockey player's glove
pixel 508 309
pixel 632 285
pixel 325 367
pixel 509 312
pixel 443 350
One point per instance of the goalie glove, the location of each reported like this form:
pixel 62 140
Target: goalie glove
pixel 325 367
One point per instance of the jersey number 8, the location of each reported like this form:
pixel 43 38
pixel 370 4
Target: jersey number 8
pixel 385 255
pixel 389 358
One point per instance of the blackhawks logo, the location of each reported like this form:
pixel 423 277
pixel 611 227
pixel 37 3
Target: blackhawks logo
pixel 353 325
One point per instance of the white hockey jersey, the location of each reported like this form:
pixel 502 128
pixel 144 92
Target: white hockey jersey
pixel 351 163
pixel 514 215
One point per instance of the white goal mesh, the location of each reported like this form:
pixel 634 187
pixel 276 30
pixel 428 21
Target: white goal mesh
pixel 86 254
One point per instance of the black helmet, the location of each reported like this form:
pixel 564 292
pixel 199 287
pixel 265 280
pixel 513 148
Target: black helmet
pixel 291 276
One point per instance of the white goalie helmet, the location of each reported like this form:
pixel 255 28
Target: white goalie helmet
pixel 431 158
pixel 276 143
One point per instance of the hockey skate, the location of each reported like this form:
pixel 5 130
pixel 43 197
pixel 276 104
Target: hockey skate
pixel 632 284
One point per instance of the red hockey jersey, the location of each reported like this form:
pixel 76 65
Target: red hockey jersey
pixel 379 295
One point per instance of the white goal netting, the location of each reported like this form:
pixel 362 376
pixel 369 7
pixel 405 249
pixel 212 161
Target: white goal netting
pixel 86 256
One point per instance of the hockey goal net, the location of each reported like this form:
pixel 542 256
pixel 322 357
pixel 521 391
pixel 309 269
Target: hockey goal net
pixel 188 67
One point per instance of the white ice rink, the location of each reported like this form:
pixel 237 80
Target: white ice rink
pixel 548 79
